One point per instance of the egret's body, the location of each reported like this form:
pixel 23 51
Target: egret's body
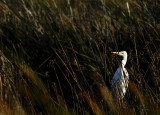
pixel 121 77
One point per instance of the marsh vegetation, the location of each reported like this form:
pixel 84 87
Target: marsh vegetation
pixel 56 56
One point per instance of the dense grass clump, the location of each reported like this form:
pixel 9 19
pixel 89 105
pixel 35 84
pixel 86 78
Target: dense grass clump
pixel 55 56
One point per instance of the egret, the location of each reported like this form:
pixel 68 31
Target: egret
pixel 121 77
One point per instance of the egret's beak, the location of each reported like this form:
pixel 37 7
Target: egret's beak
pixel 114 52
pixel 117 52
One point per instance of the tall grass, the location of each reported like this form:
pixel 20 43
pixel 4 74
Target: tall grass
pixel 56 56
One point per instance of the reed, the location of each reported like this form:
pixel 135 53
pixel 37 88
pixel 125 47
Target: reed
pixel 55 56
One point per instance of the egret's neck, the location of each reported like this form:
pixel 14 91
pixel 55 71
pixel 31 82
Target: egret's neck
pixel 124 60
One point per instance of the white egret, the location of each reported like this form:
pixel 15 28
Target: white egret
pixel 121 77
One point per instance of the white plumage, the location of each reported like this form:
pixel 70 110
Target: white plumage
pixel 121 77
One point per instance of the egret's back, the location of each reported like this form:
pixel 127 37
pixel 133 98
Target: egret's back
pixel 120 82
